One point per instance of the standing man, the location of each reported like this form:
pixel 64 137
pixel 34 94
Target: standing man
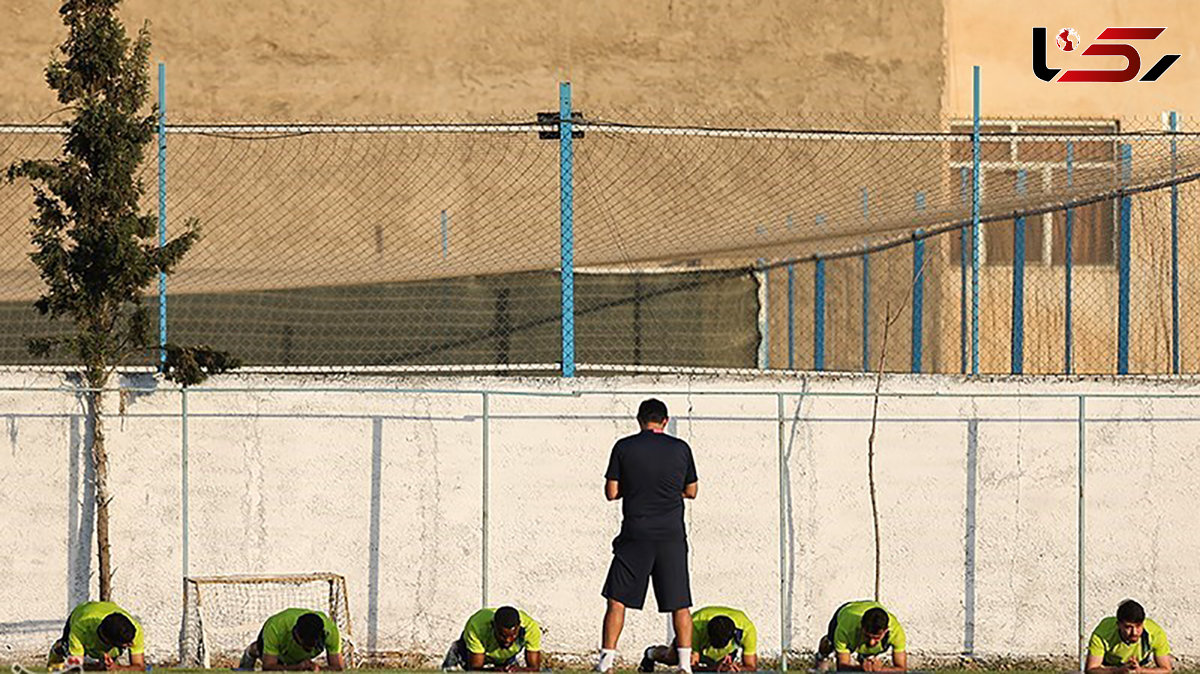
pixel 652 473
pixel 1128 642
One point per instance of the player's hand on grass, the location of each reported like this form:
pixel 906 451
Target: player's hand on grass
pixel 870 665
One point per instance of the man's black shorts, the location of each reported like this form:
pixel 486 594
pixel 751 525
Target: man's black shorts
pixel 636 561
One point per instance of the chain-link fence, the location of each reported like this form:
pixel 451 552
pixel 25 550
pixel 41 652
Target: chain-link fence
pixel 767 243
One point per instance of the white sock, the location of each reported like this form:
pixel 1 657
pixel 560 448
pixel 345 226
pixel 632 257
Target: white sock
pixel 685 658
pixel 608 659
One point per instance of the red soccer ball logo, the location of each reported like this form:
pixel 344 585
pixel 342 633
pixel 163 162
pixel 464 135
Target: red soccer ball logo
pixel 1068 39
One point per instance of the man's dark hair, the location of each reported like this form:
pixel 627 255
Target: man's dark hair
pixel 507 618
pixel 720 631
pixel 310 630
pixel 875 620
pixel 652 410
pixel 1131 612
pixel 117 630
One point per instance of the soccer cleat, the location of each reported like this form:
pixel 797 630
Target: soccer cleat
pixel 647 663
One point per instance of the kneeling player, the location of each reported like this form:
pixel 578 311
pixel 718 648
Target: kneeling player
pixel 720 635
pixel 863 629
pixel 493 638
pixel 96 634
pixel 291 639
pixel 1128 642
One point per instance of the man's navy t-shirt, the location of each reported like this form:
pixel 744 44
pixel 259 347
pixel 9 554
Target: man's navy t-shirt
pixel 653 469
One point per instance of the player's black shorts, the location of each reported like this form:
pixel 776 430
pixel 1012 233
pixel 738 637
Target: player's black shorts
pixel 636 561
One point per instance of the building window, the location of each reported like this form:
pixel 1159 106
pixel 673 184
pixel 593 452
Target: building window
pixel 1019 163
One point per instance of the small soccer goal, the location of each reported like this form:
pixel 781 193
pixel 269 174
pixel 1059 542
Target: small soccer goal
pixel 223 614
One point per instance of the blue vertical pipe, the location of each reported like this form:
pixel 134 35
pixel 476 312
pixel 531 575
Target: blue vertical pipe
pixel 819 315
pixel 445 234
pixel 866 285
pixel 791 315
pixel 1123 264
pixel 1069 262
pixel 975 228
pixel 962 273
pixel 1175 360
pixel 918 299
pixel 866 312
pixel 566 217
pixel 1018 286
pixel 162 211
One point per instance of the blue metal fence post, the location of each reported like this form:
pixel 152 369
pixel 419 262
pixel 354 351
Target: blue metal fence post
pixel 1018 285
pixel 791 315
pixel 975 228
pixel 819 315
pixel 866 285
pixel 445 221
pixel 1175 359
pixel 918 299
pixel 1069 263
pixel 162 210
pixel 962 273
pixel 1123 264
pixel 566 215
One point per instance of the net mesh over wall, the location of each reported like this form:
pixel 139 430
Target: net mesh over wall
pixel 426 245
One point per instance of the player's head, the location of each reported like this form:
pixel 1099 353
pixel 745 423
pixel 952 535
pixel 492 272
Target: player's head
pixel 875 626
pixel 309 631
pixel 720 631
pixel 1131 618
pixel 507 625
pixel 652 412
pixel 116 630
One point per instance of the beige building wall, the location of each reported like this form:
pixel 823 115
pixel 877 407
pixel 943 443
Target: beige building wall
pixel 997 37
pixel 468 59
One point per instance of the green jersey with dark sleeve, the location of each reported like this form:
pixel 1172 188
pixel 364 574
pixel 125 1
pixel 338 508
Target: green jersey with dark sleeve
pixel 745 636
pixel 848 637
pixel 1106 643
pixel 83 637
pixel 277 637
pixel 479 636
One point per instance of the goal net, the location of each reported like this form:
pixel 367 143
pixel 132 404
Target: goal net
pixel 223 614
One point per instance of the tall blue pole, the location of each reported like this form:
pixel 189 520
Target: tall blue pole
pixel 1123 264
pixel 791 315
pixel 962 274
pixel 819 315
pixel 566 217
pixel 918 300
pixel 162 210
pixel 975 233
pixel 1175 360
pixel 1018 286
pixel 865 206
pixel 866 312
pixel 1069 245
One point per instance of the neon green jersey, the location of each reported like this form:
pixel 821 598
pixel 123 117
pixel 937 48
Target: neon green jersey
pixel 848 637
pixel 745 636
pixel 1106 642
pixel 277 637
pixel 479 636
pixel 85 621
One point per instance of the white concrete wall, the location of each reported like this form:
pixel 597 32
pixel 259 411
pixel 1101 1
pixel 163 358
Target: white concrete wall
pixel 283 482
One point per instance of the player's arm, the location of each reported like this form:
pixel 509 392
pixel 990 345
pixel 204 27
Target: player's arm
pixel 137 662
pixel 533 662
pixel 475 661
pixel 335 661
pixel 749 662
pixel 846 663
pixel 612 490
pixel 689 490
pixel 271 663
